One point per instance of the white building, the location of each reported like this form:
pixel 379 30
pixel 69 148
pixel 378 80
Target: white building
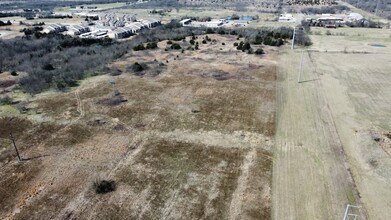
pixel 186 22
pixel 354 16
pixel 286 18
pixel 78 29
pixel 55 28
pixel 212 23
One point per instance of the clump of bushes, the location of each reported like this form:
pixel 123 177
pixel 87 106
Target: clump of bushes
pixel 6 100
pixel 325 10
pixel 176 46
pixel 137 67
pixel 151 45
pixel 271 41
pixel 221 31
pixel 139 47
pixel 243 46
pixel 48 67
pixel 104 186
pixel 259 51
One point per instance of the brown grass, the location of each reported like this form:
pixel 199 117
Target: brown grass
pixel 166 166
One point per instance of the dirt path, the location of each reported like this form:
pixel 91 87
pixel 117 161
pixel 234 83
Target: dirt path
pixel 310 175
pixel 80 108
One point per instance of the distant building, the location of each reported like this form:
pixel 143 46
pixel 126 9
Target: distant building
pixel 329 19
pixel 150 23
pixel 286 18
pixel 124 32
pixel 185 22
pixel 78 29
pixel 212 23
pixel 354 16
pixel 115 20
pixel 55 28
pixel 96 34
pixel 240 23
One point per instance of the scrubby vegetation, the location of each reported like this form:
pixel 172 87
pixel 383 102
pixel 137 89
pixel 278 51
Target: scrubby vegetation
pixel 2 23
pixel 326 10
pixel 104 186
pixel 383 6
pixel 59 61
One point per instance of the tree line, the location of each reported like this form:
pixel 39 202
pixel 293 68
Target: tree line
pixel 60 61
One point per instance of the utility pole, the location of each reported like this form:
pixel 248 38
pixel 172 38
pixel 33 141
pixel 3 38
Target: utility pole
pixel 377 7
pixel 16 149
pixel 301 66
pixel 115 91
pixel 293 38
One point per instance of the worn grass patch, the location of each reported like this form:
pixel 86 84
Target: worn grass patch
pixel 192 172
pixel 72 135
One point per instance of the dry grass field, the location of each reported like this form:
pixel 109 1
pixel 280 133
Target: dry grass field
pixel 341 107
pixel 210 134
pixel 192 137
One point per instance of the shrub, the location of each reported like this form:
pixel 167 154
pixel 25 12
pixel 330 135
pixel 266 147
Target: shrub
pixel 136 67
pixel 169 42
pixel 176 46
pixel 14 73
pixel 192 42
pixel 210 31
pixel 259 51
pixel 139 47
pixel 246 46
pixel 104 186
pixel 221 31
pixel 48 67
pixel 151 45
pixel 204 42
pixel 223 43
pixel 6 100
pixel 258 40
pixel 236 44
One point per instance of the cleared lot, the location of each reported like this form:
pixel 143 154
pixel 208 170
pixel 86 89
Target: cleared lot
pixel 193 139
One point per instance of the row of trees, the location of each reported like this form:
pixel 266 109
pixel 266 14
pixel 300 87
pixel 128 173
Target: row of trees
pixel 325 10
pixel 2 23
